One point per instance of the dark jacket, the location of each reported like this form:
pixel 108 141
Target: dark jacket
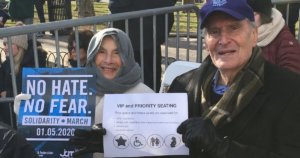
pixel 284 51
pixel 21 9
pixel 13 145
pixel 120 6
pixel 268 127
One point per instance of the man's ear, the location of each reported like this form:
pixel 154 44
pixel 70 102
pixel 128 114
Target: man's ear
pixel 205 45
pixel 254 36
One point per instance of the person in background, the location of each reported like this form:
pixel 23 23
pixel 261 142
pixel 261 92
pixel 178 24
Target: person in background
pixel 85 8
pixel 19 47
pixel 3 17
pixel 13 144
pixel 23 56
pixel 3 4
pixel 278 44
pixel 293 14
pixel 120 6
pixel 239 104
pixel 184 2
pixel 39 5
pixel 76 6
pixel 22 10
pixel 188 2
pixel 110 53
pixel 84 39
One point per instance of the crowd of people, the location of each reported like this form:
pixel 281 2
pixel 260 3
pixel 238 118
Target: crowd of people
pixel 242 100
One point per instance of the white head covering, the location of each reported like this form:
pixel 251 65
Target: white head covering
pixel 130 72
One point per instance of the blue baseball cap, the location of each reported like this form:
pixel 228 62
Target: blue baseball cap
pixel 239 9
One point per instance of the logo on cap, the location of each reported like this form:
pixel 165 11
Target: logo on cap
pixel 218 3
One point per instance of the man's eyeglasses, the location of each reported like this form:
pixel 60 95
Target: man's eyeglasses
pixel 70 48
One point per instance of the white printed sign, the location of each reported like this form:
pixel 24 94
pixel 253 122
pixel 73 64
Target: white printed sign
pixel 144 124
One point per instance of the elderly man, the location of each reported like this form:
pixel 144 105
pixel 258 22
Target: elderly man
pixel 239 104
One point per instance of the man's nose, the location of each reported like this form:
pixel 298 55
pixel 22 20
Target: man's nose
pixel 223 38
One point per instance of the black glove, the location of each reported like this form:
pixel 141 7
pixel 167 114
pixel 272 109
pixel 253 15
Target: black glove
pixel 199 135
pixel 89 141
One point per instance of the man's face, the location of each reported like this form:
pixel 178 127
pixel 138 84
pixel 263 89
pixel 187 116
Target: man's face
pixel 229 41
pixel 73 54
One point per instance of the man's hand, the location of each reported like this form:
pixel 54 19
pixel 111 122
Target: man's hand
pixel 89 141
pixel 18 100
pixel 199 135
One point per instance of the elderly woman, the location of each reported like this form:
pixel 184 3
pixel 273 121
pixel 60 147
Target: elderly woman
pixel 110 51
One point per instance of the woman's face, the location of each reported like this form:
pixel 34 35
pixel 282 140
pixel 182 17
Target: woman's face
pixel 15 49
pixel 108 59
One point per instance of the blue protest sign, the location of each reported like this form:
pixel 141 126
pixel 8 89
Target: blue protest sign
pixel 62 99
